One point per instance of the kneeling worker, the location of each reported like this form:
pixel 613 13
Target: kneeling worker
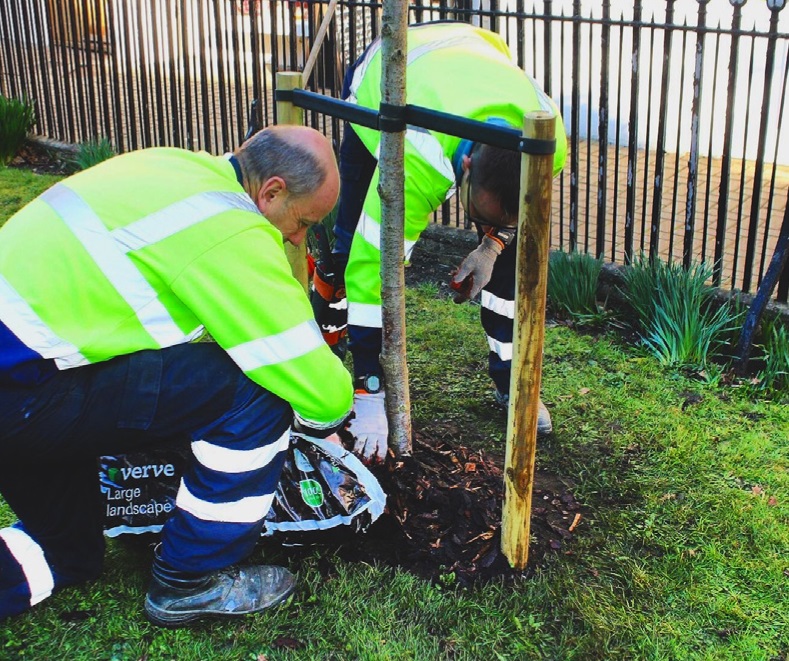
pixel 105 280
pixel 468 72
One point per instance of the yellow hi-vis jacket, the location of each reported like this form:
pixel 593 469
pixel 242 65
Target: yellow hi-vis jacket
pixel 149 250
pixel 453 68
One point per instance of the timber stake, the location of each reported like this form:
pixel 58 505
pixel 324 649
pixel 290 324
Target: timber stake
pixel 533 242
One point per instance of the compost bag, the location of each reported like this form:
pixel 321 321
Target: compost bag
pixel 323 487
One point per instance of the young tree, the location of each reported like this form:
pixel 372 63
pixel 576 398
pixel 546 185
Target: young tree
pixel 390 190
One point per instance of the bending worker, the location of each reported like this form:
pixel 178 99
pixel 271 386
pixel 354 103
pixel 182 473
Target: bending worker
pixel 105 280
pixel 462 70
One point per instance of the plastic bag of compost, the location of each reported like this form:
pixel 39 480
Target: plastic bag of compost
pixel 323 487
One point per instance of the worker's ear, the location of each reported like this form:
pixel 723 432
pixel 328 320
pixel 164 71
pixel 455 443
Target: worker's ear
pixel 271 191
pixel 466 162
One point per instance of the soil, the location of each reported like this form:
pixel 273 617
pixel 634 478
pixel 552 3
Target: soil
pixel 443 515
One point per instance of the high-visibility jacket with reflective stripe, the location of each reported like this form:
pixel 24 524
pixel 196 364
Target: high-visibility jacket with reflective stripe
pixel 148 250
pixel 454 68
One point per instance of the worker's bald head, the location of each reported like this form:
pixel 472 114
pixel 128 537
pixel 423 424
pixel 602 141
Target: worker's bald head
pixel 301 156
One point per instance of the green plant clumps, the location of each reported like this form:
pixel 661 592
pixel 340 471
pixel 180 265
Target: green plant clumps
pixel 572 286
pixel 674 312
pixel 17 117
pixel 92 152
pixel 775 374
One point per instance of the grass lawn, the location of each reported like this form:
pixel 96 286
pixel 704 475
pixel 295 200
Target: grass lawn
pixel 684 553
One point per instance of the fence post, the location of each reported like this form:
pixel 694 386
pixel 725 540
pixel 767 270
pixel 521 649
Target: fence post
pixel 287 113
pixel 534 232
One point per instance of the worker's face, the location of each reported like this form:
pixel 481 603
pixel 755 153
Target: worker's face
pixel 293 216
pixel 482 207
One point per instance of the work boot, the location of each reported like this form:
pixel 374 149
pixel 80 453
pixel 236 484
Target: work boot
pixel 228 592
pixel 544 424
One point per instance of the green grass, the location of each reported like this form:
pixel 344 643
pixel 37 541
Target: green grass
pixel 18 187
pixel 683 553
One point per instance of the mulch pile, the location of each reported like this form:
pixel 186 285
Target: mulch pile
pixel 444 516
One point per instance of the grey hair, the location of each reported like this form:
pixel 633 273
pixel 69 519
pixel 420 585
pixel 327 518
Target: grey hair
pixel 271 153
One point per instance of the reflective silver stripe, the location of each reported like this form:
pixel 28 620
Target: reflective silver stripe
pixel 130 284
pixel 23 322
pixel 305 422
pixel 429 148
pixel 364 314
pixel 545 101
pixel 179 216
pixel 500 306
pixel 370 229
pixel 246 510
pixel 30 557
pixel 361 70
pixel 470 40
pixel 226 460
pixel 502 349
pixel 279 348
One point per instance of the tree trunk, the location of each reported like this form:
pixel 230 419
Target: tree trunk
pixel 390 190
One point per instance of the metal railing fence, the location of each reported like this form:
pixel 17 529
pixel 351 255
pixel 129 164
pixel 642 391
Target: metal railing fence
pixel 673 108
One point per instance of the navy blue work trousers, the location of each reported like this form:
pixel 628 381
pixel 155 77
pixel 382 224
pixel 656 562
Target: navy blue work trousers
pixel 52 434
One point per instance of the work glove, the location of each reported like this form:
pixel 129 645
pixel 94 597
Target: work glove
pixel 330 307
pixel 369 427
pixel 475 271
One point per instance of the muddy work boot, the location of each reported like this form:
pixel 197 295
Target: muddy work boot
pixel 175 598
pixel 544 424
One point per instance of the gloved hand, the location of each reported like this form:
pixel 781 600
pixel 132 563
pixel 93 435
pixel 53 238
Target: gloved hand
pixel 330 307
pixel 475 271
pixel 369 427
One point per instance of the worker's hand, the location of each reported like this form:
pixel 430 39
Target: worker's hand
pixel 330 307
pixel 475 271
pixel 369 427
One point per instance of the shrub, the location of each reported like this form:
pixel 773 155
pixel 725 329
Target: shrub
pixel 17 117
pixel 674 311
pixel 91 153
pixel 572 286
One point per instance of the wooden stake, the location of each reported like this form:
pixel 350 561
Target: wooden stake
pixel 287 113
pixel 534 221
pixel 316 45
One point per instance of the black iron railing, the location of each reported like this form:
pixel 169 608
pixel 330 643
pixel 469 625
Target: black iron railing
pixel 673 108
